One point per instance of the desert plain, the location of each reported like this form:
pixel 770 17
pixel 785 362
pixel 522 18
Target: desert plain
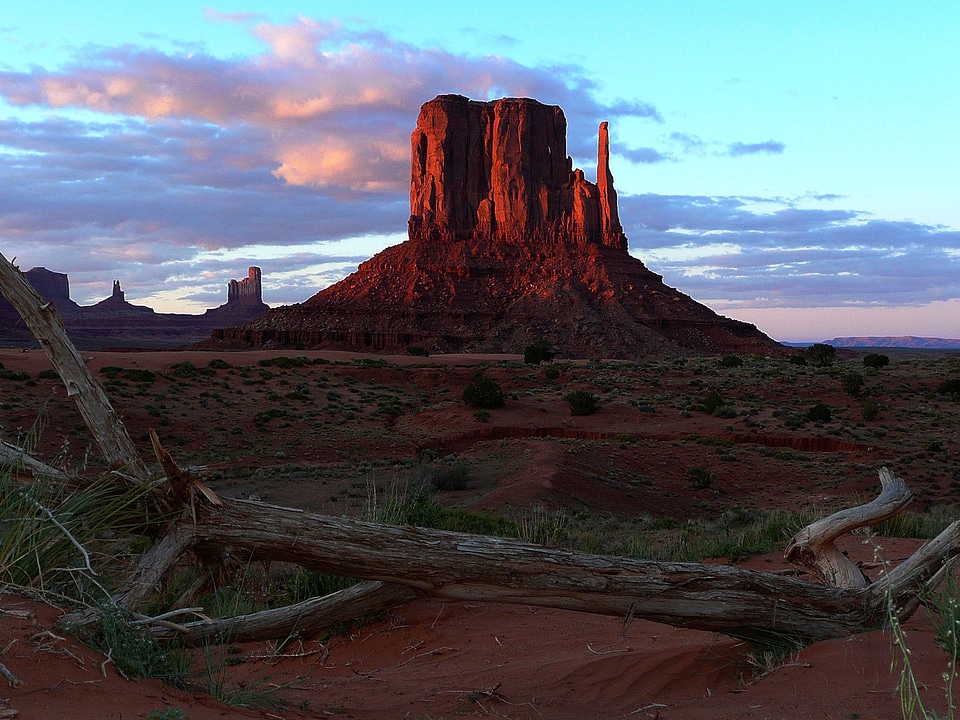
pixel 684 458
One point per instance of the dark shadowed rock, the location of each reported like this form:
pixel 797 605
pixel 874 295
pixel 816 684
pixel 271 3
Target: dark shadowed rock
pixel 507 244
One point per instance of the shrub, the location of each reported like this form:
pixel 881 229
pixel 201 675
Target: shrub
pixel 819 412
pixel 949 387
pixel 731 361
pixel 870 409
pixel 551 372
pixel 798 359
pixel 48 374
pixel 581 402
pixel 699 477
pixel 13 375
pixel 418 351
pixel 455 477
pixel 875 360
pixel 219 364
pixel 852 383
pixel 539 351
pixel 711 402
pixel 483 392
pixel 821 354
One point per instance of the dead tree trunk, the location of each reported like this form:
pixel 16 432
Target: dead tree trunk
pixel 41 317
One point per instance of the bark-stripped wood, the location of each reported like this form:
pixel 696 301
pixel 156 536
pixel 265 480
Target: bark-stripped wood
pixel 298 621
pixel 761 607
pixel 41 317
pixel 813 548
pixel 17 459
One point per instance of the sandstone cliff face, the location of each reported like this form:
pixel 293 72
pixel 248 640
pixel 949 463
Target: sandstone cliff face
pixel 507 244
pixel 499 170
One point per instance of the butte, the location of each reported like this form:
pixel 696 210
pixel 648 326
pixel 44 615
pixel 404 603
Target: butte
pixel 508 244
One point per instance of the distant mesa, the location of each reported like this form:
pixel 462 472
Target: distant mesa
pixel 904 341
pixel 117 322
pixel 508 244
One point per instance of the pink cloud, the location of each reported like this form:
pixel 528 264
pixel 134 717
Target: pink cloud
pixel 337 105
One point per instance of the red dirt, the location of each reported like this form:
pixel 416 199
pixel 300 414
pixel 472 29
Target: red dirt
pixel 433 659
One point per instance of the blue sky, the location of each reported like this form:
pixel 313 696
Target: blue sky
pixel 789 164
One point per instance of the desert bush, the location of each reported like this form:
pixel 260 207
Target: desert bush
pixel 540 351
pixel 13 375
pixel 582 402
pixel 821 354
pixel 483 392
pixel 870 409
pixel 875 360
pixel 798 359
pixel 700 478
pixel 949 387
pixel 219 364
pixel 284 362
pixel 418 351
pixel 731 361
pixel 551 372
pixel 819 412
pixel 135 652
pixel 482 416
pixel 852 383
pixel 48 374
pixel 454 477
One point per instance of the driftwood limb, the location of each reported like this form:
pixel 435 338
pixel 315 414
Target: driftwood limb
pixel 18 458
pixel 760 607
pixel 300 620
pixel 41 317
pixel 813 548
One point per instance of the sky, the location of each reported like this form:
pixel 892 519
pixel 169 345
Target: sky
pixel 790 164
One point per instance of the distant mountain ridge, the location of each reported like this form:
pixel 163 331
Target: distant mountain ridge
pixel 902 341
pixel 114 322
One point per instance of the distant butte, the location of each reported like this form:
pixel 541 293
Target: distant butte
pixel 508 244
pixel 116 322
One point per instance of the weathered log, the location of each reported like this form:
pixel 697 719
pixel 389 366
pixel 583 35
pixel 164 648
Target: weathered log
pixel 300 620
pixel 41 317
pixel 17 458
pixel 813 548
pixel 761 607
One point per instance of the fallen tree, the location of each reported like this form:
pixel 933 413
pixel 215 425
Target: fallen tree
pixel 402 562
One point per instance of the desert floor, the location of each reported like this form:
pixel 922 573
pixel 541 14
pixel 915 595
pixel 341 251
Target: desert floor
pixel 336 435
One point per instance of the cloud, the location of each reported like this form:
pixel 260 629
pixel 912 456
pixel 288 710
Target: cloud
pixel 721 249
pixel 770 147
pixel 643 156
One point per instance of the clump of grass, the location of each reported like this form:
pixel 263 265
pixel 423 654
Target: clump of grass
pixel 582 402
pixel 483 392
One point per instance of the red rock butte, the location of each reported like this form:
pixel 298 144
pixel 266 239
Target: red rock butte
pixel 508 244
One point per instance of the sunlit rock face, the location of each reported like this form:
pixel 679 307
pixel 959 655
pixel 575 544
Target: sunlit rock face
pixel 499 170
pixel 508 244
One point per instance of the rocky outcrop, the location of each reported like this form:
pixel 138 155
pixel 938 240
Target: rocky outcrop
pixel 500 171
pixel 246 291
pixel 507 244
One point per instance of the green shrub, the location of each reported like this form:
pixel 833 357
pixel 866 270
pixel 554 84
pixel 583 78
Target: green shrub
pixel 551 372
pixel 219 364
pixel 483 392
pixel 13 375
pixel 581 402
pixel 711 402
pixel 819 412
pixel 875 360
pixel 699 477
pixel 870 409
pixel 821 354
pixel 454 477
pixel 852 383
pixel 48 374
pixel 169 713
pixel 418 351
pixel 731 361
pixel 798 359
pixel 949 387
pixel 540 351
